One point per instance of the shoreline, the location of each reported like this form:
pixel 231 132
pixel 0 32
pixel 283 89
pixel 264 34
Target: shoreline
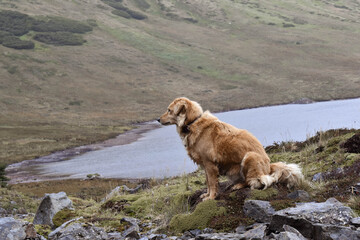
pixel 22 172
pixel 25 171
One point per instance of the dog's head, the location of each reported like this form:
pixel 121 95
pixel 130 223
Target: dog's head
pixel 181 112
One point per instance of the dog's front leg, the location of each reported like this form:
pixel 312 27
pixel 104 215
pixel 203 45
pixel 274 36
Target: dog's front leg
pixel 212 174
pixel 204 195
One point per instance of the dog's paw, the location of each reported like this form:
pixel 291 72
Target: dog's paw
pixel 238 186
pixel 208 198
pixel 204 195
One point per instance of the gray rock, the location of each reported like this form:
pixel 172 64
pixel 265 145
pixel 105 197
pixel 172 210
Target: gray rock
pixel 64 225
pixel 240 229
pixel 80 231
pixel 355 222
pixel 133 229
pixel 2 211
pixel 115 236
pixel 260 211
pixel 12 229
pixel 219 236
pixel 333 232
pixel 318 177
pixel 299 194
pixel 256 233
pixel 305 216
pixel 49 206
pixel 121 190
pixel 289 234
pixel 157 236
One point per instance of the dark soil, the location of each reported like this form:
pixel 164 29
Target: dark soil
pixel 352 145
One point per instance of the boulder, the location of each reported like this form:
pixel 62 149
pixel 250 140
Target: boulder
pixel 49 206
pixel 260 211
pixel 310 218
pixel 289 234
pixel 79 231
pixel 133 229
pixel 14 229
pixel 11 228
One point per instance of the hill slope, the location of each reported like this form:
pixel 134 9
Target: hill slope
pixel 224 54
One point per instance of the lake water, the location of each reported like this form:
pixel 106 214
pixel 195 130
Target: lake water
pixel 159 153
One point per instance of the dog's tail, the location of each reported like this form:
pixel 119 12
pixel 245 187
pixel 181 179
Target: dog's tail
pixel 289 174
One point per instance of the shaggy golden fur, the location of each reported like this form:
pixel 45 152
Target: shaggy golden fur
pixel 222 149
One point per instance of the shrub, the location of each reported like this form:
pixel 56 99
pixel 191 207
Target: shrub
pixel 17 43
pixel 59 24
pixel 115 4
pixel 4 34
pixel 59 38
pixel 3 178
pixel 121 13
pixel 142 4
pixel 15 22
pixel 136 15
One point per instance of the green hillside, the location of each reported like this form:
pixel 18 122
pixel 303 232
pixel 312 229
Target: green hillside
pixel 131 58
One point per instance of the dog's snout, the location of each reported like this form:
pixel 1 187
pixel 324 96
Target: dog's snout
pixel 158 119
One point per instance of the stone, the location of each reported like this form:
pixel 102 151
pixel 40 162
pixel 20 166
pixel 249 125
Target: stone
pixel 240 229
pixel 300 195
pixel 318 177
pixel 260 211
pixel 290 234
pixel 49 206
pixel 11 228
pixel 258 232
pixel 305 216
pixel 2 211
pixel 355 221
pixel 133 229
pixel 333 232
pixel 80 231
pixel 115 236
pixel 121 190
pixel 219 236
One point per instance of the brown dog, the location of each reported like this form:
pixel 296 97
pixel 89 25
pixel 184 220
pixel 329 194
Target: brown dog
pixel 222 149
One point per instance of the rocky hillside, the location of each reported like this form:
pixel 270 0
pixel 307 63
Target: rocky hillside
pixel 325 206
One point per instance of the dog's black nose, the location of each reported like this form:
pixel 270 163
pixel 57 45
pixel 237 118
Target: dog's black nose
pixel 158 119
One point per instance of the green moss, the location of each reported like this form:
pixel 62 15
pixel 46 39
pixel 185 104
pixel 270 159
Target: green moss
pixel 282 204
pixel 266 194
pixel 199 219
pixel 63 216
pixel 43 230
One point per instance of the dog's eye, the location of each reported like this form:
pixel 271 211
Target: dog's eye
pixel 169 110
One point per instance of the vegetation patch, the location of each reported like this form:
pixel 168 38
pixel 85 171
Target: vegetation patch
pixel 54 30
pixel 3 178
pixel 63 216
pixel 60 24
pixel 265 195
pixel 199 219
pixel 15 23
pixel 125 12
pixel 17 43
pixel 60 38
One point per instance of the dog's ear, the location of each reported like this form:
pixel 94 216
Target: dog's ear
pixel 181 109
